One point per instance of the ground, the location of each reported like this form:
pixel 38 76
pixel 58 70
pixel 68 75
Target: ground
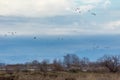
pixel 61 76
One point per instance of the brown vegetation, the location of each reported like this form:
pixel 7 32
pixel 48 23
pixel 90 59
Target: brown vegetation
pixel 70 68
pixel 62 76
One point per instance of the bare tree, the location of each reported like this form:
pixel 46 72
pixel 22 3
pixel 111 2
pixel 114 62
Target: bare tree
pixel 71 60
pixel 111 62
pixel 44 65
pixel 84 63
pixel 67 60
pixel 57 65
pixel 35 62
pixel 75 60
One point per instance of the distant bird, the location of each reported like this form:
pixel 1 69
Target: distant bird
pixel 94 14
pixel 97 47
pixel 79 11
pixel 12 33
pixel 88 10
pixel 5 35
pixel 35 38
pixel 60 38
pixel 107 47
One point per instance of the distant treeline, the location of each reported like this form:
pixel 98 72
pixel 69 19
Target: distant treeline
pixel 70 62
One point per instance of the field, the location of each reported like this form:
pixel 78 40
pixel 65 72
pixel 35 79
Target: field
pixel 59 76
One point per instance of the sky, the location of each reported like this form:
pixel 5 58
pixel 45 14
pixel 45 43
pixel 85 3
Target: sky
pixel 81 27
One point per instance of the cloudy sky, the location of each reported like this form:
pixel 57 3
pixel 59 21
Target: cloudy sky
pixel 53 20
pixel 54 17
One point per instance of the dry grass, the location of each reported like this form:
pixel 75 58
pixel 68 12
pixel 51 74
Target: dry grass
pixel 65 76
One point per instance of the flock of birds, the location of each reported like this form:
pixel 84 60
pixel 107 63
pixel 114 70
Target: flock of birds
pixel 10 33
pixel 61 38
pixel 80 11
pixel 94 46
pixel 100 47
pixel 34 37
pixel 13 34
pixel 77 10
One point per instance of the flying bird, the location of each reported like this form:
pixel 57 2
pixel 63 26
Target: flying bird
pixel 89 10
pixel 94 14
pixel 12 33
pixel 5 35
pixel 35 38
pixel 78 10
pixel 107 47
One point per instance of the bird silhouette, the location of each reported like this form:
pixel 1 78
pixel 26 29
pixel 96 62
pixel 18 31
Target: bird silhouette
pixel 80 11
pixel 94 14
pixel 5 35
pixel 35 38
pixel 12 33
